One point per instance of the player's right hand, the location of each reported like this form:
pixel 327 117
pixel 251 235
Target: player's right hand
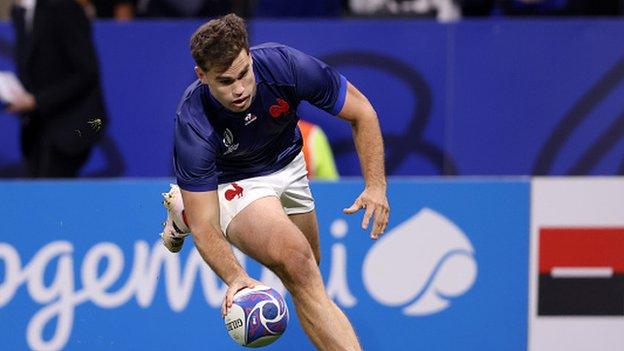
pixel 375 203
pixel 239 283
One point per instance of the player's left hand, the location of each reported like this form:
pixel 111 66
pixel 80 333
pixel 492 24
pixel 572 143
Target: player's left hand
pixel 244 281
pixel 374 200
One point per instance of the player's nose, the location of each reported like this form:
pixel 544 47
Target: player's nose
pixel 239 89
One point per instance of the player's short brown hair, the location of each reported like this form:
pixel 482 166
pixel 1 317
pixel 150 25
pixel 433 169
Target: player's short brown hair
pixel 218 42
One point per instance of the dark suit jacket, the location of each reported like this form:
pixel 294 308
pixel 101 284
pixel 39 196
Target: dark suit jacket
pixel 57 63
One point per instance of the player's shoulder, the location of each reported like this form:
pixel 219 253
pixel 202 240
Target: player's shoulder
pixel 271 55
pixel 276 51
pixel 274 61
pixel 191 108
pixel 191 101
pixel 271 49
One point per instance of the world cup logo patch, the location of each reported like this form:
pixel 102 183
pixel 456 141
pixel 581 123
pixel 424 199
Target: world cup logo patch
pixel 228 138
pixel 228 141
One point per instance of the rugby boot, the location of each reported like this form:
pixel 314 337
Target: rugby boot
pixel 175 228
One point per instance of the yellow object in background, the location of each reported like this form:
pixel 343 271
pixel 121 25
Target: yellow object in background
pixel 317 152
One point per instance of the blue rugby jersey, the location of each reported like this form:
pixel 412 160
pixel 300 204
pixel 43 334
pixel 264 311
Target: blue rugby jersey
pixel 213 145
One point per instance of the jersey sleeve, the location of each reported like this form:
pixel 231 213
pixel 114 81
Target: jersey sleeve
pixel 317 82
pixel 194 156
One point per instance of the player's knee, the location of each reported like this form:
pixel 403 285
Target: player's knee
pixel 297 268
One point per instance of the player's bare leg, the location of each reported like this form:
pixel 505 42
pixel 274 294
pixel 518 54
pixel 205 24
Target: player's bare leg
pixel 308 224
pixel 263 231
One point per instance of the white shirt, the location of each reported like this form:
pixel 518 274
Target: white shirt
pixel 29 6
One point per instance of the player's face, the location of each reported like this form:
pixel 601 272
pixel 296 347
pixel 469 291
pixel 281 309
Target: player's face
pixel 235 87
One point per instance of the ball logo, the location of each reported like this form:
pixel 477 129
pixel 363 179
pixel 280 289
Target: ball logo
pixel 434 259
pixel 235 324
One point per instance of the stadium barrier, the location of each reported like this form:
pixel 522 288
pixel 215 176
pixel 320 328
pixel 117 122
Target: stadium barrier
pixel 81 267
pixel 466 264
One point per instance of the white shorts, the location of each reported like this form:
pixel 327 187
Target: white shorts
pixel 290 185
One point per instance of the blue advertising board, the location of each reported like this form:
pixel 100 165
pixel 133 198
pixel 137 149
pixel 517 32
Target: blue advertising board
pixel 81 269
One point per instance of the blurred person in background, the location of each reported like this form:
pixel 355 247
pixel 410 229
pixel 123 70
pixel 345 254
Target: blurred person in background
pixel 191 8
pixel 62 111
pixel 533 7
pixel 595 7
pixel 120 10
pixel 317 152
pixel 5 10
pixel 542 7
pixel 297 8
pixel 442 10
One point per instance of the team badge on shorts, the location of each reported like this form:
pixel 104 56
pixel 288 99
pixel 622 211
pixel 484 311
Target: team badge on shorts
pixel 236 191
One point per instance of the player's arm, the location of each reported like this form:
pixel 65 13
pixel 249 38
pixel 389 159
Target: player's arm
pixel 202 214
pixel 358 111
pixel 322 86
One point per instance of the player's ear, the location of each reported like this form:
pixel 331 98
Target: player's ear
pixel 201 74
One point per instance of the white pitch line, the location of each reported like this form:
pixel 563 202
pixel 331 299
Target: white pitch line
pixel 581 272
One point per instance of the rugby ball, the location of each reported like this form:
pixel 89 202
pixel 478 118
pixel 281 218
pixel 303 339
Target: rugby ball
pixel 258 316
